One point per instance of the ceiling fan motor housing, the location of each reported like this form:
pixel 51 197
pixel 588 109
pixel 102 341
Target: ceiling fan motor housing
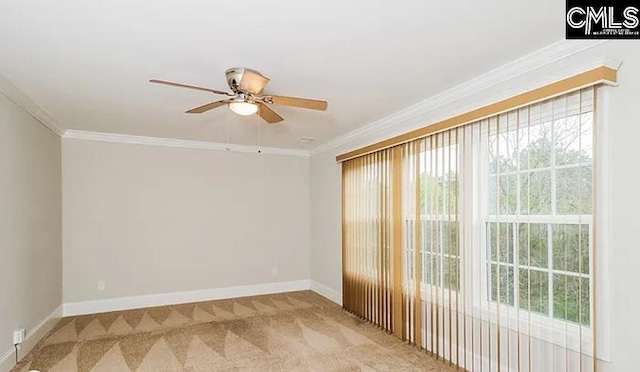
pixel 234 75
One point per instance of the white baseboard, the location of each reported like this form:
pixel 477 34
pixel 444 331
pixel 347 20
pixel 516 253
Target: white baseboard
pixel 137 302
pixel 7 360
pixel 327 292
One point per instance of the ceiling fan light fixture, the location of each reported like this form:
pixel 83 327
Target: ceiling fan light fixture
pixel 243 108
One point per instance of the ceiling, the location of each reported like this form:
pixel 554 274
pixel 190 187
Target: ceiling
pixel 87 63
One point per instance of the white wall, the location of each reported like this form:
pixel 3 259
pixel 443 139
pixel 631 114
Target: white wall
pixel 30 224
pixel 326 221
pixel 624 124
pixel 151 220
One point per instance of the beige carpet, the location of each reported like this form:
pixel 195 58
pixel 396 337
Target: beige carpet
pixel 297 331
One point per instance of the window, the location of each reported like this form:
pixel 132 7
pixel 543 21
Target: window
pixel 538 212
pixel 527 175
pixel 439 242
pixel 439 212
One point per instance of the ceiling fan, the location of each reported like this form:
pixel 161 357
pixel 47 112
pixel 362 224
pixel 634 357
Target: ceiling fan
pixel 247 98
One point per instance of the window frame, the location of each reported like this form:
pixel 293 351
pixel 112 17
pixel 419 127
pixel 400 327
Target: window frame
pixel 552 330
pixel 492 135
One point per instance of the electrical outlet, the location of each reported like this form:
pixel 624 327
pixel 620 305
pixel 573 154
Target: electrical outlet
pixel 274 271
pixel 102 285
pixel 18 336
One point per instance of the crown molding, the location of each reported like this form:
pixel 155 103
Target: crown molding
pixel 401 121
pixel 188 144
pixel 9 90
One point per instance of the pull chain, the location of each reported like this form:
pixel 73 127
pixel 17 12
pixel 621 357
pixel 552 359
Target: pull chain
pixel 259 134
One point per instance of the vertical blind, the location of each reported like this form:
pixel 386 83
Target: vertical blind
pixel 367 231
pixel 476 243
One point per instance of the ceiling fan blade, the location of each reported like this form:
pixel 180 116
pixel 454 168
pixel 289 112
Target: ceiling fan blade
pixel 207 107
pixel 170 83
pixel 252 81
pixel 268 114
pixel 311 104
